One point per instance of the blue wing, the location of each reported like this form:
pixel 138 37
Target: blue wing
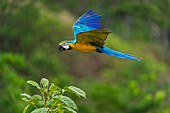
pixel 87 22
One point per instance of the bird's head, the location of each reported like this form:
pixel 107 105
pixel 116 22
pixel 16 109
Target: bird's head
pixel 64 46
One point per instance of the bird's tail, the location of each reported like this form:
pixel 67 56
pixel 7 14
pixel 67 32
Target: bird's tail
pixel 118 54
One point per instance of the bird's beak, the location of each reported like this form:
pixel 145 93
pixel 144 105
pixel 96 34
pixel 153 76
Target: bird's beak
pixel 60 47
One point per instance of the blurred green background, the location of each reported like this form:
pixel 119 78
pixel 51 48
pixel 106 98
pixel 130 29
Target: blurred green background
pixel 30 31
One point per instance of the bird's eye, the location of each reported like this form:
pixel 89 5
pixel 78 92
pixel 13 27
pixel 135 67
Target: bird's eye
pixel 64 44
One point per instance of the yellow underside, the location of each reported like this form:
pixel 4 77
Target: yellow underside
pixel 85 48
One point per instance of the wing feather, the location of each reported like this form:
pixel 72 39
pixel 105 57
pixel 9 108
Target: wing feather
pixel 94 37
pixel 87 22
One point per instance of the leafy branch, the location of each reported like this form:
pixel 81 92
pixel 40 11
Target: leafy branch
pixel 51 99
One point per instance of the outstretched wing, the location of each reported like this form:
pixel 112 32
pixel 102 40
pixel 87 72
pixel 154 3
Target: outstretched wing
pixel 87 22
pixel 94 37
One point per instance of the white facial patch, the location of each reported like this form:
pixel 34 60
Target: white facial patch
pixel 66 47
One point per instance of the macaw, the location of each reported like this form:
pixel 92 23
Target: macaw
pixel 90 37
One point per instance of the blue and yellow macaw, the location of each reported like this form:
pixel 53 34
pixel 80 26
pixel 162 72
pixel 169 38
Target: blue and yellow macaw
pixel 90 37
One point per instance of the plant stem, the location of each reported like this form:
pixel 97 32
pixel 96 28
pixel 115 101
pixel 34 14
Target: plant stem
pixel 34 105
pixel 53 106
pixel 56 101
pixel 43 98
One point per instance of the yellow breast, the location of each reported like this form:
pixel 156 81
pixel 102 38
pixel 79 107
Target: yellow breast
pixel 86 48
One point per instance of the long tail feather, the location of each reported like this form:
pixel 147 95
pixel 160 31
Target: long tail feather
pixel 118 54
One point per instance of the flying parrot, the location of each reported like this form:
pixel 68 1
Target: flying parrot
pixel 90 37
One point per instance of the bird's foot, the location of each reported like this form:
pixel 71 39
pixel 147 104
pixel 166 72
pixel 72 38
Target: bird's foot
pixel 97 50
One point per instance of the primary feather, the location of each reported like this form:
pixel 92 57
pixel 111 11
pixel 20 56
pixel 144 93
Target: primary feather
pixel 87 22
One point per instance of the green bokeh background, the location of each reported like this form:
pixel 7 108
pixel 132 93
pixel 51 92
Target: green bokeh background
pixel 30 31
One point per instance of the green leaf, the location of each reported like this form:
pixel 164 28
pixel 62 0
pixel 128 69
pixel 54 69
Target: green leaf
pixel 51 101
pixel 69 102
pixel 53 88
pixel 44 82
pixel 36 98
pixel 40 103
pixel 78 91
pixel 25 97
pixel 56 109
pixel 26 100
pixel 24 111
pixel 61 111
pixel 33 83
pixel 40 110
pixel 69 109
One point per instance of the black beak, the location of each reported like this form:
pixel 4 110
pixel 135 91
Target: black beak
pixel 60 47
